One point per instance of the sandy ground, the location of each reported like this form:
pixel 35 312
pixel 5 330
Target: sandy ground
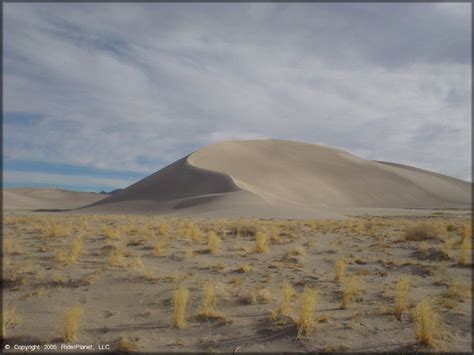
pixel 127 301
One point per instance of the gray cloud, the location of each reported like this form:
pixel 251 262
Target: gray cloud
pixel 136 86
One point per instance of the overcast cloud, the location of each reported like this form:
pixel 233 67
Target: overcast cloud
pixel 128 88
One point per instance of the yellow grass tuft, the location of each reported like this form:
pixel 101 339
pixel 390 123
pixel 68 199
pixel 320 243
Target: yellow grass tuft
pixel 213 242
pixel 261 245
pixel 465 232
pixel 159 247
pixel 458 290
pixel 245 268
pixel 426 323
pixel 465 252
pixel 76 248
pixel 340 269
pixel 71 324
pixel 127 345
pixel 306 321
pixel 116 258
pixel 10 318
pixel 163 229
pixel 287 294
pixel 351 288
pixel 209 301
pixel 180 301
pixel 401 295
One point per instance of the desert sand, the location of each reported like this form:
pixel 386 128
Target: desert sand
pixel 47 199
pixel 284 179
pixel 112 281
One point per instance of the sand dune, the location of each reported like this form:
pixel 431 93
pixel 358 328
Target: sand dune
pixel 34 199
pixel 274 178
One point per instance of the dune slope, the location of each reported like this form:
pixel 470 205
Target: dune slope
pixel 274 178
pixel 34 199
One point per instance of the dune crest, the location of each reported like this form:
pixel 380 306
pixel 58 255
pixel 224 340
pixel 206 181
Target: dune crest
pixel 275 178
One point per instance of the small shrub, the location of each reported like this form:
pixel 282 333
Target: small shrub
pixel 465 232
pixel 401 295
pixel 180 301
pixel 305 321
pixel 76 248
pixel 71 324
pixel 426 323
pixel 163 229
pixel 116 258
pixel 245 268
pixel 261 245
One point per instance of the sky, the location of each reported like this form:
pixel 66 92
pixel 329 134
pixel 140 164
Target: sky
pixel 98 96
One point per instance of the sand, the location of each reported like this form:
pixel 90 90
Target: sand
pixel 275 178
pixel 134 300
pixel 56 199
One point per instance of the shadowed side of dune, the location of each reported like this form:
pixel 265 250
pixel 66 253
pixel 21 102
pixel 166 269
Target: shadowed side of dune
pixel 177 181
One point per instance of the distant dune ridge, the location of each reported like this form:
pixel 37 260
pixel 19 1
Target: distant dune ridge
pixel 34 199
pixel 283 179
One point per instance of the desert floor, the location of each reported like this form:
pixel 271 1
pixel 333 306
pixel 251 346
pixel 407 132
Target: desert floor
pixel 112 279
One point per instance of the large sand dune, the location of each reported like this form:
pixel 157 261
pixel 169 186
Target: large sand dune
pixel 274 178
pixel 47 199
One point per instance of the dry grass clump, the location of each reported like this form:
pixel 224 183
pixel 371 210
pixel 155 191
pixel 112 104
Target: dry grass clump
pixel 458 290
pixel 255 296
pixel 209 300
pixel 109 232
pixel 341 265
pixel 159 247
pixel 76 248
pixel 401 296
pixel 465 232
pixel 71 324
pixel 351 288
pixel 305 322
pixel 287 294
pixel 213 242
pixel 10 318
pixel 427 327
pixel 163 229
pixel 261 242
pixel 127 344
pixel 420 231
pixel 465 252
pixel 116 258
pixel 180 301
pixel 244 268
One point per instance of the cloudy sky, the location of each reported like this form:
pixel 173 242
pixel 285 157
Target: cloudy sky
pixel 97 96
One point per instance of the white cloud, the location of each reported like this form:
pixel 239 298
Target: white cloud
pixel 147 84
